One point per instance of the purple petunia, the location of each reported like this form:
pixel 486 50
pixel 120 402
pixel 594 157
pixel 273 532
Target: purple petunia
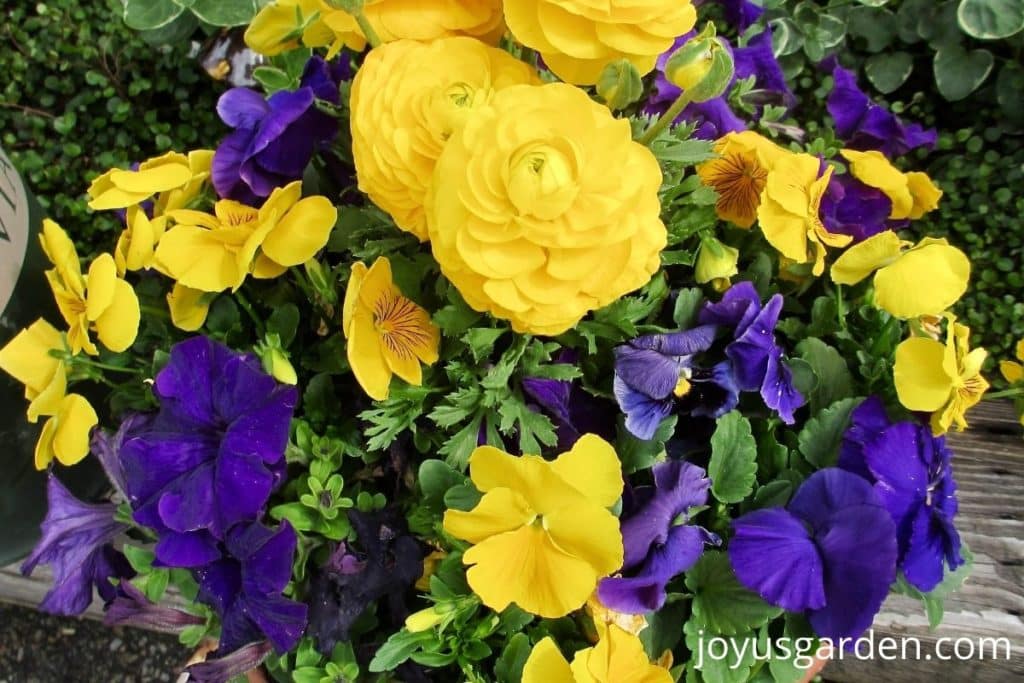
pixel 831 553
pixel 659 544
pixel 865 125
pixel 76 543
pixel 211 456
pixel 132 608
pixel 849 207
pixel 740 13
pixel 757 359
pixel 274 139
pixel 912 475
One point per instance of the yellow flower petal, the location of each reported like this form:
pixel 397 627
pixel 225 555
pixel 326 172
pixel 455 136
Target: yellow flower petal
pixel 925 193
pixel 922 383
pixel 926 280
pixel 588 532
pixel 860 260
pixel 48 401
pixel 1012 372
pixel 355 283
pixel 264 268
pixel 302 231
pixel 118 326
pixel 60 250
pixel 100 286
pixel 27 357
pixel 499 511
pixel 546 664
pixel 366 358
pixel 530 475
pixel 44 446
pixel 74 424
pixel 592 467
pixel 198 259
pixel 618 657
pixel 189 307
pixel 873 169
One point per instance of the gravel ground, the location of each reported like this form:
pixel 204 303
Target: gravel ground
pixel 39 648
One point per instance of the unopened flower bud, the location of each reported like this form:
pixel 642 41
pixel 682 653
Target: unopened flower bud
pixel 275 360
pixel 423 620
pixel 620 85
pixel 702 67
pixel 716 262
pixel 322 281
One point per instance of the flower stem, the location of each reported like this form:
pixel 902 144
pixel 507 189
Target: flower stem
pixel 247 307
pixel 367 28
pixel 79 360
pixel 1008 393
pixel 667 118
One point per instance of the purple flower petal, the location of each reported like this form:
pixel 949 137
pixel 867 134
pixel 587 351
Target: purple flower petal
pixel 239 662
pixel 132 608
pixel 867 422
pixel 242 108
pixel 737 309
pixel 643 413
pixel 778 391
pixel 849 207
pixel 187 550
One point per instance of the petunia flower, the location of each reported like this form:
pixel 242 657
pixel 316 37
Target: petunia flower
pixel 790 210
pixel 912 194
pixel 212 253
pixel 865 125
pixel 542 535
pixel 76 543
pixel 618 657
pixel 387 333
pixel 132 608
pixel 831 553
pixel 244 586
pixel 230 666
pixel 211 456
pixel 921 280
pixel 757 360
pixel 912 474
pixel 942 379
pixel 849 207
pixel 99 300
pixel 739 174
pixel 385 562
pixel 653 372
pixel 274 139
pixel 659 543
pixel 119 189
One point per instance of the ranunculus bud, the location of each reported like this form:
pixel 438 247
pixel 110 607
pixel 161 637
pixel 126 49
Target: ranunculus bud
pixel 620 85
pixel 702 67
pixel 716 262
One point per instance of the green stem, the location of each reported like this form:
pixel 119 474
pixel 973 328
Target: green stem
pixel 79 360
pixel 1007 393
pixel 668 117
pixel 371 35
pixel 840 307
pixel 158 312
pixel 250 311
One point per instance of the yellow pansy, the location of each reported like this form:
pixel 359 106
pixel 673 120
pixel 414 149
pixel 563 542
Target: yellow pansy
pixel 912 194
pixel 65 436
pixel 407 100
pixel 942 379
pixel 189 307
pixel 136 247
pixel 618 657
pixel 212 253
pixel 199 163
pixel 1012 372
pixel 542 534
pixel 119 189
pixel 739 174
pixel 630 623
pixel 579 38
pixel 27 358
pixel 789 210
pixel 387 333
pixel 923 280
pixel 99 300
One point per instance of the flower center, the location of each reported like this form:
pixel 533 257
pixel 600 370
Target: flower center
pixel 542 180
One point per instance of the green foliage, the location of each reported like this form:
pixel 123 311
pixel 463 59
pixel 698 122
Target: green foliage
pixel 733 466
pixel 720 604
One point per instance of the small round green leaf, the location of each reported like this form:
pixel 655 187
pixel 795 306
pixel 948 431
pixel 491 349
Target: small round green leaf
pixel 889 70
pixel 145 15
pixel 958 72
pixel 991 19
pixel 225 12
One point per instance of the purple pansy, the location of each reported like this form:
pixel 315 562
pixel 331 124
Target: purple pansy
pixel 831 553
pixel 650 369
pixel 659 544
pixel 912 475
pixel 757 359
pixel 849 207
pixel 274 139
pixel 244 587
pixel 865 125
pixel 574 411
pixel 211 456
pixel 76 543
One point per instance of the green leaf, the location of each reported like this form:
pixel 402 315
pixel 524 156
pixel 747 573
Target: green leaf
pixel 876 26
pixel 958 72
pixel 733 465
pixel 820 438
pixel 141 559
pixel 463 497
pixel 144 15
pixel 225 12
pixel 398 648
pixel 284 322
pixel 436 478
pixel 734 667
pixel 273 79
pixel 1010 91
pixel 834 379
pixel 935 600
pixel 688 303
pixel 991 19
pixel 509 667
pixel 481 340
pixel 637 454
pixel 174 33
pixel 773 494
pixel 720 604
pixel 888 71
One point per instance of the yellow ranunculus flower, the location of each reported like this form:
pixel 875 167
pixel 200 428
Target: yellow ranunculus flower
pixel 942 379
pixel 119 189
pixel 912 194
pixel 27 359
pixel 527 221
pixel 285 24
pixel 579 38
pixel 387 333
pixel 65 436
pixel 542 534
pixel 189 307
pixel 212 253
pixel 407 100
pixel 618 657
pixel 739 174
pixel 923 280
pixel 99 300
pixel 1012 372
pixel 790 208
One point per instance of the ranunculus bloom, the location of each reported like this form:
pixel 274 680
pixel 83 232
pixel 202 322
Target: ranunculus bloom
pixel 925 279
pixel 789 213
pixel 912 194
pixel 618 657
pixel 579 38
pixel 527 222
pixel 387 333
pixel 407 100
pixel 739 174
pixel 942 379
pixel 542 534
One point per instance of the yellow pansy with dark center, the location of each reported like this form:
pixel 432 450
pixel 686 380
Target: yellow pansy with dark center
pixel 739 174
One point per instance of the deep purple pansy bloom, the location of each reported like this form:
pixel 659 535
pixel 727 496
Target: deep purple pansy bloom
pixel 76 543
pixel 757 358
pixel 831 553
pixel 659 543
pixel 912 474
pixel 274 139
pixel 865 125
pixel 132 608
pixel 653 372
pixel 849 207
pixel 211 456
pixel 574 411
pixel 244 587
pixel 386 564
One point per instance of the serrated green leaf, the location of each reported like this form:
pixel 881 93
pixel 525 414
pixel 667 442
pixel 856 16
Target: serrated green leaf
pixel 436 478
pixel 398 648
pixel 720 604
pixel 820 438
pixel 509 667
pixel 739 658
pixel 733 466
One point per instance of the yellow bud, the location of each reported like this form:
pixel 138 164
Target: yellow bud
pixel 422 620
pixel 716 261
pixel 620 84
pixel 703 67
